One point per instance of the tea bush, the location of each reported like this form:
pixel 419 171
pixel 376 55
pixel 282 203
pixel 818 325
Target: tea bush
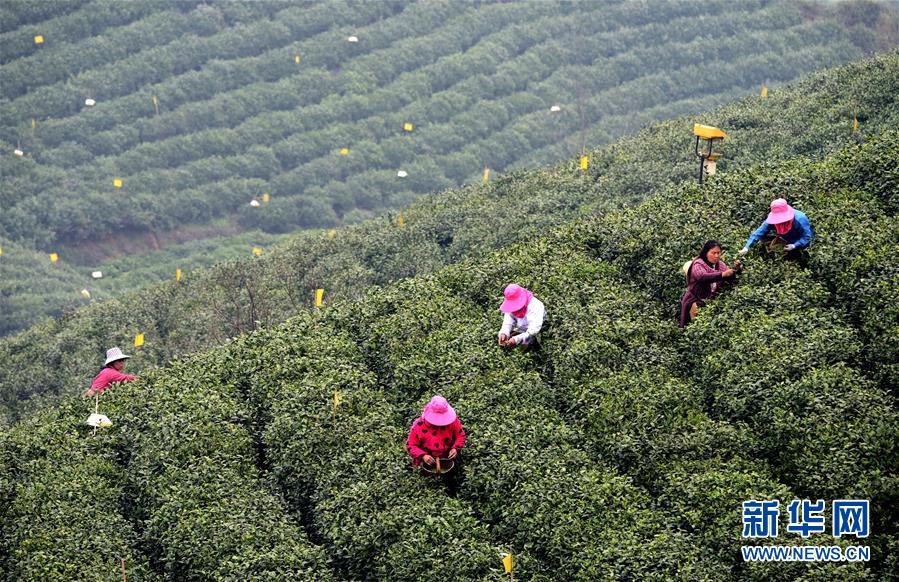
pixel 230 299
pixel 236 116
pixel 621 448
pixel 63 500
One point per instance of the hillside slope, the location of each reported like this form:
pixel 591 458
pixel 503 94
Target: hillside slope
pixel 238 116
pixel 809 118
pixel 622 448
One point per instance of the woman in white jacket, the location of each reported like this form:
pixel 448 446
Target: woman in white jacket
pixel 522 317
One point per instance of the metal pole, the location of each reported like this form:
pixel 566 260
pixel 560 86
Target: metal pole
pixel 699 155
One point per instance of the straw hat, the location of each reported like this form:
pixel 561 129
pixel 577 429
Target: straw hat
pixel 114 355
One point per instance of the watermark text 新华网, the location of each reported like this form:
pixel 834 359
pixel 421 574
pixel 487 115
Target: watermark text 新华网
pixel 849 517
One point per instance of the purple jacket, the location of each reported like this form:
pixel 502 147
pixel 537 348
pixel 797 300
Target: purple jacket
pixel 703 282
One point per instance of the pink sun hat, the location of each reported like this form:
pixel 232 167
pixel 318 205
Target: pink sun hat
pixel 516 298
pixel 438 412
pixel 780 212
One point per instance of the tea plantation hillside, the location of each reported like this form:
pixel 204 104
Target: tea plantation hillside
pixel 141 124
pixel 621 449
pixel 809 118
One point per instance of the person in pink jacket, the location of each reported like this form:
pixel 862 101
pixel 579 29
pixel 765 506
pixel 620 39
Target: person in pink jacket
pixel 437 433
pixel 704 277
pixel 111 372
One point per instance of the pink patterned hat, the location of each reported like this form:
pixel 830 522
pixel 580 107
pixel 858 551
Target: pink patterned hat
pixel 438 412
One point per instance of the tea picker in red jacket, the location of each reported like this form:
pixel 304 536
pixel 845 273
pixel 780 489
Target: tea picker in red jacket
pixel 436 434
pixel 111 372
pixel 523 316
pixel 705 275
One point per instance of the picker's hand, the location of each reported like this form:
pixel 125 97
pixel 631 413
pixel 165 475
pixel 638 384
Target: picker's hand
pixel 789 247
pixel 428 460
pixel 728 273
pixel 502 339
pixel 452 454
pixel 742 252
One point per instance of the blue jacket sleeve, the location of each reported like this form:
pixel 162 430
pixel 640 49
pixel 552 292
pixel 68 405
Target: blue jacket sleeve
pixel 757 235
pixel 807 233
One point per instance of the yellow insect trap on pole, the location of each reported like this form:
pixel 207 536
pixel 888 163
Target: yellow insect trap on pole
pixel 257 251
pixel 54 257
pixel 486 174
pixel 177 274
pixel 39 39
pixel 401 220
pixel 296 59
pixel 319 293
pixel 764 91
pixel 707 159
pixel 117 182
pixel 265 197
pixel 138 340
pixel 585 161
pixel 507 564
pixel 407 126
pixel 344 151
pixel 85 293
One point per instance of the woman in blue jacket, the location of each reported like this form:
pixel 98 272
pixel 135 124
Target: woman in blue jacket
pixel 786 224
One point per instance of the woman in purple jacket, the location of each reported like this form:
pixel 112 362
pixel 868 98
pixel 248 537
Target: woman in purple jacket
pixel 704 277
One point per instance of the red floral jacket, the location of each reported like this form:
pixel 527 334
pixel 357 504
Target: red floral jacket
pixel 428 439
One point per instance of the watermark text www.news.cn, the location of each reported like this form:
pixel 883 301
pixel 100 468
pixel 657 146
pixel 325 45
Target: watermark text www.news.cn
pixel 848 517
